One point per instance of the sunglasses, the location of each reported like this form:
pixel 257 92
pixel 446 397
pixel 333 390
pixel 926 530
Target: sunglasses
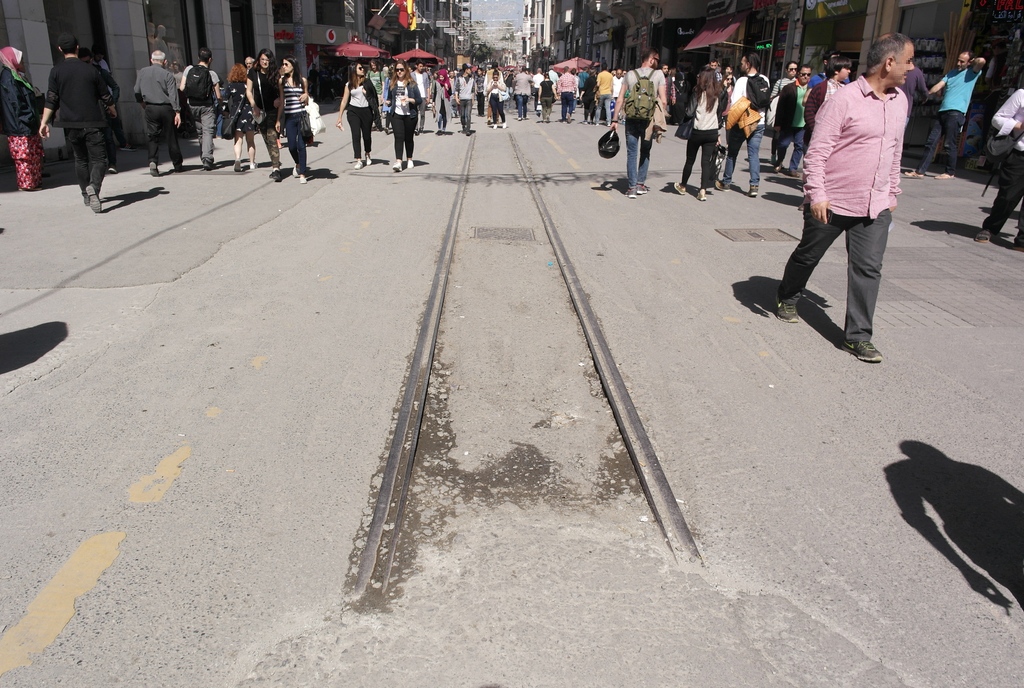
pixel 790 69
pixel 804 74
pixel 400 69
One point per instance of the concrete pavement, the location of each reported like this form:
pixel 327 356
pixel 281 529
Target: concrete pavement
pixel 267 327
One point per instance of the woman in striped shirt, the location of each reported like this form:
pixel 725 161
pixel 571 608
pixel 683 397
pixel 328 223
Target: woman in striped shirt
pixel 295 94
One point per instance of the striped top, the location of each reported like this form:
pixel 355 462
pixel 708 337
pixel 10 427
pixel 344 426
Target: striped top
pixel 292 106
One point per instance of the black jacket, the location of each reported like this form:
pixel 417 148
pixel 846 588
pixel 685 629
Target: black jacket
pixel 19 110
pixel 75 91
pixel 786 108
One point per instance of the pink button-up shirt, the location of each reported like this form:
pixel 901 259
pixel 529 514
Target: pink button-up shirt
pixel 855 153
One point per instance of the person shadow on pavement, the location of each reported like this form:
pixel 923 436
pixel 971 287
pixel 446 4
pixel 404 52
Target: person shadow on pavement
pixel 981 518
pixel 758 295
pixel 22 347
pixel 127 199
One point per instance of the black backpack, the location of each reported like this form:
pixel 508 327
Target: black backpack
pixel 199 85
pixel 759 92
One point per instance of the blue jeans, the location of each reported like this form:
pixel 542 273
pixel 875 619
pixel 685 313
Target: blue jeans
pixel 296 144
pixel 735 141
pixel 636 170
pixel 949 123
pixel 521 101
pixel 796 137
pixel 568 102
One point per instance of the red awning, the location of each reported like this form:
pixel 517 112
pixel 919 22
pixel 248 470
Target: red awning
pixel 717 30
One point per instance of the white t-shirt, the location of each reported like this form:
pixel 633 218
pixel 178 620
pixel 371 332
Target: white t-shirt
pixel 616 86
pixel 422 81
pixel 537 78
pixel 357 97
pixel 397 94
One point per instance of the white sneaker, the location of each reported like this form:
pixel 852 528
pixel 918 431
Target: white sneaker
pixel 295 172
pixel 359 165
pixel 302 180
pixel 494 126
pixel 368 161
pixel 252 166
pixel 409 164
pixel 397 167
pixel 504 125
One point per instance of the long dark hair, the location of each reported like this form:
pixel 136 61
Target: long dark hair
pixel 354 80
pixel 296 75
pixel 707 84
pixel 272 67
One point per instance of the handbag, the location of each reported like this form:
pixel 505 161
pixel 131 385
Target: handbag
pixel 998 148
pixel 305 126
pixel 503 95
pixel 685 129
pixel 263 113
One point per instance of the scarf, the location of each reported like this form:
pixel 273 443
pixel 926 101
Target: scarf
pixel 446 84
pixel 11 59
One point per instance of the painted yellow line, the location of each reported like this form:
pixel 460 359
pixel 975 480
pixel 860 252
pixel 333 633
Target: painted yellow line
pixel 258 362
pixel 151 488
pixel 54 606
pixel 213 412
pixel 575 165
pixel 603 194
pixel 364 224
pixel 557 147
pixel 325 278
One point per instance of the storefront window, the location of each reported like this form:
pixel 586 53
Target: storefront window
pixel 330 12
pixel 81 19
pixel 166 31
pixel 283 12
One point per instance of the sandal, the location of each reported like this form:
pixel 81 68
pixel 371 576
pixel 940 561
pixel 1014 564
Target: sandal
pixel 913 175
pixel 944 176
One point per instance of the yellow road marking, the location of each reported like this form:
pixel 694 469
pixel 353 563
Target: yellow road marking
pixel 54 606
pixel 731 319
pixel 763 354
pixel 557 147
pixel 151 488
pixel 258 362
pixel 603 194
pixel 676 261
pixel 325 278
pixel 575 165
pixel 365 224
pixel 213 412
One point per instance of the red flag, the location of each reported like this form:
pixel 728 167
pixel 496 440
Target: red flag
pixel 403 15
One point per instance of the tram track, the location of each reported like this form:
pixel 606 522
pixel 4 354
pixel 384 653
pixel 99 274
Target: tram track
pixel 374 564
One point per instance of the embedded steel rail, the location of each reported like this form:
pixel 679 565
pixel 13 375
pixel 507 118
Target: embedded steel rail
pixel 648 468
pixel 410 413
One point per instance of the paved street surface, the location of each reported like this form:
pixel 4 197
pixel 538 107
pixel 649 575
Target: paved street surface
pixel 200 386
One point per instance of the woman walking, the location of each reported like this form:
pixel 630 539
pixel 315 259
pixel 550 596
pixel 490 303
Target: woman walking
pixel 707 107
pixel 589 98
pixel 359 101
pixel 261 91
pixel 441 94
pixel 405 101
pixel 20 121
pixel 496 89
pixel 294 96
pixel 546 92
pixel 238 108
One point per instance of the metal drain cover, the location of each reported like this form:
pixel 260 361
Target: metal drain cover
pixel 504 233
pixel 755 235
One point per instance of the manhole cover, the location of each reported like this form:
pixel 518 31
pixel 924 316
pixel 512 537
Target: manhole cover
pixel 504 233
pixel 755 235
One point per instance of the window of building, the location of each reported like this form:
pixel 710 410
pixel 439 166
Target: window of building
pixel 331 12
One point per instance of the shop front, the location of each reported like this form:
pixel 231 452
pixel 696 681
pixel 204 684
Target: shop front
pixel 722 35
pixel 833 25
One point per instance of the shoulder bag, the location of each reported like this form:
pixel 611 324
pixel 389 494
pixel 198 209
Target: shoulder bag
pixel 263 113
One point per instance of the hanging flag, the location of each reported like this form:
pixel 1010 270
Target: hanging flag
pixel 412 14
pixel 403 15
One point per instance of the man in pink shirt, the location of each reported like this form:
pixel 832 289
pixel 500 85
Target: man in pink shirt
pixel 852 177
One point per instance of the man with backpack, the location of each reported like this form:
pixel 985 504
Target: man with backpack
pixel 201 87
pixel 642 93
pixel 751 96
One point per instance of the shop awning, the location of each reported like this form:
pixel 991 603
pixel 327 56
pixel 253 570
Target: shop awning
pixel 717 30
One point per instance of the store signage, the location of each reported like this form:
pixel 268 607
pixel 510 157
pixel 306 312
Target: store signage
pixel 1006 10
pixel 761 4
pixel 284 36
pixel 331 35
pixel 763 45
pixel 826 9
pixel 720 8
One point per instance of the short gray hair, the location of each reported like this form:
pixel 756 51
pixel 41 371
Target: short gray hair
pixel 157 56
pixel 884 47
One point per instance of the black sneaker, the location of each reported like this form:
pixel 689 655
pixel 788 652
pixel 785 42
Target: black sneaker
pixel 865 351
pixel 238 165
pixel 275 175
pixel 753 191
pixel 153 169
pixel 93 199
pixel 208 165
pixel 983 236
pixel 786 312
pixel 179 168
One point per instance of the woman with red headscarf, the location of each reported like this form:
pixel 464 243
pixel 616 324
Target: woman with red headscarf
pixel 441 95
pixel 20 121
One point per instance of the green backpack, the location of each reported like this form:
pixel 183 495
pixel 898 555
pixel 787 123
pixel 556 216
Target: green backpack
pixel 641 98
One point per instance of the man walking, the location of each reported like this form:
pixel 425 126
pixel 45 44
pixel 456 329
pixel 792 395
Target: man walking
pixel 643 90
pixel 604 94
pixel 568 89
pixel 466 87
pixel 157 92
pixel 1008 120
pixel 852 173
pixel 422 78
pixel 959 85
pixel 75 90
pixel 537 78
pixel 756 89
pixel 789 122
pixel 201 86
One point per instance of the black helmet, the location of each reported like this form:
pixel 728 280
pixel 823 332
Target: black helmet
pixel 608 145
